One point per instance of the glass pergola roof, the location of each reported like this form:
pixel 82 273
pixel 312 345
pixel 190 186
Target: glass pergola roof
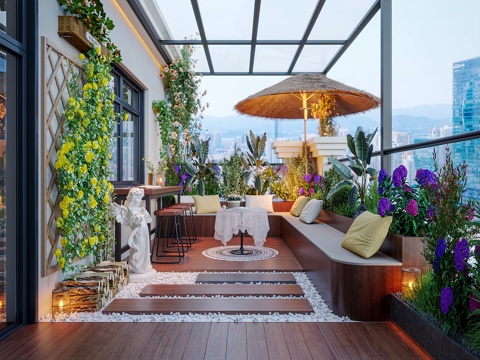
pixel 255 37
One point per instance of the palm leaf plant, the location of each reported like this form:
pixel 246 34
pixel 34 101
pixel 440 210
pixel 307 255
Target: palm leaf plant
pixel 252 160
pixel 358 173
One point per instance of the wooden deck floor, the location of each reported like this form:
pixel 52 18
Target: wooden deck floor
pixel 195 261
pixel 276 341
pixel 196 341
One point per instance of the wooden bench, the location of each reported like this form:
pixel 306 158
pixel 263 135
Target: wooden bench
pixel 350 285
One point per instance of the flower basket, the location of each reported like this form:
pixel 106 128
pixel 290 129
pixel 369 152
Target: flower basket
pixel 74 32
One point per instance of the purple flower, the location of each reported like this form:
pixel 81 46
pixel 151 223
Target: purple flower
pixel 430 213
pixel 436 265
pixel 216 168
pixel 312 190
pixel 446 300
pixel 399 174
pixel 383 206
pixel 407 188
pixel 477 249
pixel 426 178
pixel 474 303
pixel 307 177
pixel 301 191
pixel 460 254
pixel 282 170
pixel 441 247
pixel 412 207
pixel 318 178
pixel 382 175
pixel 176 168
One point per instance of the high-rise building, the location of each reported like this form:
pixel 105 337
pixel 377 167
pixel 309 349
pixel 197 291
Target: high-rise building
pixel 466 117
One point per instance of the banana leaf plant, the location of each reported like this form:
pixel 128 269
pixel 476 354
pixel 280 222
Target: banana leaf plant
pixel 199 169
pixel 252 160
pixel 358 173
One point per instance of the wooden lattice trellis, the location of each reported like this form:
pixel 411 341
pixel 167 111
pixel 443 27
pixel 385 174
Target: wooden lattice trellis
pixel 54 79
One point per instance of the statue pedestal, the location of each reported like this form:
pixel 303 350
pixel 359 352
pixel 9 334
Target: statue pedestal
pixel 134 277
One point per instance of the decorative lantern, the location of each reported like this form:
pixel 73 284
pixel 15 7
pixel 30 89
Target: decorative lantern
pixel 409 280
pixel 159 180
pixel 60 301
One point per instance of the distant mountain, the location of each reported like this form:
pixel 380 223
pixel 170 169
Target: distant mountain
pixel 417 120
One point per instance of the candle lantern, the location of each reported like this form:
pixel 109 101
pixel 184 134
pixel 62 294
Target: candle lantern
pixel 409 280
pixel 60 301
pixel 159 180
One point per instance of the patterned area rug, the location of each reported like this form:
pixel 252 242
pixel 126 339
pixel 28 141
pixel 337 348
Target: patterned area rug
pixel 223 253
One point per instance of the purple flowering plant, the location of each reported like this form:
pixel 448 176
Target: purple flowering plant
pixel 311 184
pixel 405 203
pixel 451 248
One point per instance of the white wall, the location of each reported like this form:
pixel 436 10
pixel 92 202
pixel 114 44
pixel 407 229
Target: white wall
pixel 142 59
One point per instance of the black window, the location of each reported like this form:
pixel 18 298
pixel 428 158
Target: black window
pixel 127 152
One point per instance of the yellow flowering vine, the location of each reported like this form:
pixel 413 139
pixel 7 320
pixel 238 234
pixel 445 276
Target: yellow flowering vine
pixel 83 165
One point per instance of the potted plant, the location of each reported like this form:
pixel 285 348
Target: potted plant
pixel 253 162
pixel 358 173
pixel 153 170
pixel 202 173
pixel 233 200
pixel 232 186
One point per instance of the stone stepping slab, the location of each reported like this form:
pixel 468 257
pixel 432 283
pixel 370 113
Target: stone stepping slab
pixel 223 289
pixel 206 306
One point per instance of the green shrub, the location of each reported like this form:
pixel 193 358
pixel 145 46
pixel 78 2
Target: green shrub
pixel 296 170
pixel 372 198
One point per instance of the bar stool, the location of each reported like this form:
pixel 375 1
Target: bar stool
pixel 188 223
pixel 172 218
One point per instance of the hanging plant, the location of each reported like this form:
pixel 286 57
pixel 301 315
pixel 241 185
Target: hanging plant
pixel 323 111
pixel 83 165
pixel 98 24
pixel 179 116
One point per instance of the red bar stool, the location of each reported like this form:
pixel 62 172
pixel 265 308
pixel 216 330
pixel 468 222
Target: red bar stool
pixel 172 222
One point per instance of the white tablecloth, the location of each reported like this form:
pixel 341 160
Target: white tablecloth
pixel 252 220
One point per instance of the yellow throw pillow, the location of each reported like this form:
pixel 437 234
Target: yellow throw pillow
pixel 367 234
pixel 298 205
pixel 207 204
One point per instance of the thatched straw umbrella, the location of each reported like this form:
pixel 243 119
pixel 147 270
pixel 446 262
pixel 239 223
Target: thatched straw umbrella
pixel 281 101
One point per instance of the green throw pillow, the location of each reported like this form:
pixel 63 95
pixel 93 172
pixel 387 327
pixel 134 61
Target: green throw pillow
pixel 367 234
pixel 207 204
pixel 298 205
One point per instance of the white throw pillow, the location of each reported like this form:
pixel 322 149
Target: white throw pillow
pixel 311 211
pixel 260 201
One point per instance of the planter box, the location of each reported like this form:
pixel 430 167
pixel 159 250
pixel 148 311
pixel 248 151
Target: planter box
pixel 407 249
pixel 72 30
pixel 432 339
pixel 339 222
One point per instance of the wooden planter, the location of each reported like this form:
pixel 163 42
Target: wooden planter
pixel 431 338
pixel 72 30
pixel 407 249
pixel 339 222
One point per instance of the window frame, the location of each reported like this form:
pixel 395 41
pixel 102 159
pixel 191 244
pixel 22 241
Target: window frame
pixel 125 77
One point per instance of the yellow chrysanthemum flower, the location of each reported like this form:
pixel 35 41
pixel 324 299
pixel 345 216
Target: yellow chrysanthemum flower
pixel 96 228
pixel 80 113
pixel 65 213
pixel 61 263
pixel 59 222
pixel 81 57
pixel 93 181
pixel 98 50
pixel 95 144
pixel 71 101
pixel 97 190
pixel 58 252
pixel 89 156
pixel 84 169
pixel 93 203
pixel 63 242
pixel 105 81
pixel 106 199
pixel 80 194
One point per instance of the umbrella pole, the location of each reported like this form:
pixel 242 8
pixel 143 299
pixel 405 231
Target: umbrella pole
pixel 305 117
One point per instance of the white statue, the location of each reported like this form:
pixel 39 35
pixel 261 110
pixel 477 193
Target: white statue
pixel 135 216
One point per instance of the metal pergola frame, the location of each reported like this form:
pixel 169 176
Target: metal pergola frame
pixel 253 42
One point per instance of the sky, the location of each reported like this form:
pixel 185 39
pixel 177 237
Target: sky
pixel 428 37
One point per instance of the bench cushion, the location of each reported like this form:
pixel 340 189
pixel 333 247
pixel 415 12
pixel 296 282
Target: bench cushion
pixel 329 241
pixel 367 234
pixel 311 211
pixel 298 205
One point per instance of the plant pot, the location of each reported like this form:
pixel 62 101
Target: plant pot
pixel 74 32
pixel 233 203
pixel 426 334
